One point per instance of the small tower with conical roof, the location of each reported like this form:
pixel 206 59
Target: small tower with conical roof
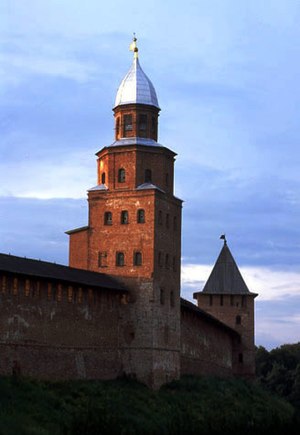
pixel 227 297
pixel 134 232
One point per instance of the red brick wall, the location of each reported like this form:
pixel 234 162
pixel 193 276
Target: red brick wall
pixel 227 311
pixel 78 252
pixel 206 349
pixel 56 331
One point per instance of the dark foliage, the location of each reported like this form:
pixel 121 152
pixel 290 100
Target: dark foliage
pixel 278 371
pixel 205 406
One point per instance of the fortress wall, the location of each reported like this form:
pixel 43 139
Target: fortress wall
pixel 206 349
pixel 57 331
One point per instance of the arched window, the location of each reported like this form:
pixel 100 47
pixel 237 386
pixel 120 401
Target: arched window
pixel 103 178
pixel 120 259
pixel 121 175
pixel 108 218
pixel 124 217
pixel 238 320
pixel 162 296
pixel 148 175
pixel 137 259
pixel 141 216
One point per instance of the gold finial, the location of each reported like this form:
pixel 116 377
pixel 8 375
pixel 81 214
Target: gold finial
pixel 133 47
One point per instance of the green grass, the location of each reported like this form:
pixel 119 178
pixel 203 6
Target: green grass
pixel 190 406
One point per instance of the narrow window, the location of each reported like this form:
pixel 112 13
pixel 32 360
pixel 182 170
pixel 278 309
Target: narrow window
pixel 148 175
pixel 167 220
pixel 167 179
pixel 141 216
pixel 137 259
pixel 162 296
pixel 160 217
pixel 244 301
pixel 124 217
pixel 102 259
pixel 211 300
pixel 142 123
pixel 241 358
pixel 232 300
pixel 175 223
pixel 103 178
pixel 121 175
pixel 117 126
pixel 172 300
pixel 160 261
pixel 167 261
pixel 120 259
pixel 127 123
pixel 108 218
pixel 221 300
pixel 238 320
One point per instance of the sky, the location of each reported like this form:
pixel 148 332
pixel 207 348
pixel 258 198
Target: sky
pixel 226 73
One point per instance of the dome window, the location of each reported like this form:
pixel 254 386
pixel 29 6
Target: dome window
pixel 127 122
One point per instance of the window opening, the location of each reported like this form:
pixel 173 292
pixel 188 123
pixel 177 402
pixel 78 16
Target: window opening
pixel 167 220
pixel 162 296
pixel 127 123
pixel 108 218
pixel 238 320
pixel 124 217
pixel 167 261
pixel 241 358
pixel 103 178
pixel 121 175
pixel 221 300
pixel 210 300
pixel 148 175
pixel 120 259
pixel 137 260
pixel 160 217
pixel 172 300
pixel 141 216
pixel 102 259
pixel 142 122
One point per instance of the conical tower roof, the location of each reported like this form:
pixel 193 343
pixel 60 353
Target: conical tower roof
pixel 136 87
pixel 225 277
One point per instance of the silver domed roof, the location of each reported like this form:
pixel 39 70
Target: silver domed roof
pixel 136 88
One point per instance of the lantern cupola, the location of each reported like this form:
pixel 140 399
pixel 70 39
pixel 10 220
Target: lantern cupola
pixel 136 106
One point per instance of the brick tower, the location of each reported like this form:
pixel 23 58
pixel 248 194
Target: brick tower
pixel 134 232
pixel 227 297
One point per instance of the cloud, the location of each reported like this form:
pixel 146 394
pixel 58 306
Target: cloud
pixel 270 284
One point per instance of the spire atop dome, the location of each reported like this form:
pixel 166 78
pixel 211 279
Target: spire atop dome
pixel 136 87
pixel 133 47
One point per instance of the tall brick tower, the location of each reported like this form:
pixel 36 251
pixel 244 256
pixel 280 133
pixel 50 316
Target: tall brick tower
pixel 134 231
pixel 227 297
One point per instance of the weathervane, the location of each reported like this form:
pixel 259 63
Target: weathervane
pixel 223 237
pixel 133 46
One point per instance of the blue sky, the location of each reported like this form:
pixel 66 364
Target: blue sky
pixel 227 78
